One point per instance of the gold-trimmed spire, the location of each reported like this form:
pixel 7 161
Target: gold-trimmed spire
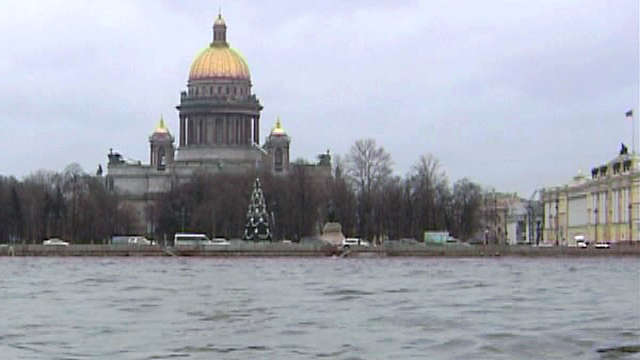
pixel 161 128
pixel 278 130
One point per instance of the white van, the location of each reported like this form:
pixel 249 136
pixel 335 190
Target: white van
pixel 138 240
pixel 190 239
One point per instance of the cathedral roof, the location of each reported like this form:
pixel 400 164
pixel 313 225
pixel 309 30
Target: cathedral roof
pixel 219 60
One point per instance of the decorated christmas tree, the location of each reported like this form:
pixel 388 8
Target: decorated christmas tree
pixel 256 227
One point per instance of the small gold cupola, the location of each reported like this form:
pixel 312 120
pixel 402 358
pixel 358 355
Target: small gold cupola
pixel 278 130
pixel 161 128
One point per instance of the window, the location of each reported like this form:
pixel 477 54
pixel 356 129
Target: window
pixel 162 158
pixel 227 90
pixel 277 162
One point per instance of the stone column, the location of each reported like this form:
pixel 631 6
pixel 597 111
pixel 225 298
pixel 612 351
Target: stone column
pixel 225 118
pixel 205 130
pixel 256 129
pixel 182 130
pixel 246 131
pixel 189 131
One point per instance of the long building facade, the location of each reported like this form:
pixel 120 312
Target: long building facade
pixel 219 118
pixel 602 207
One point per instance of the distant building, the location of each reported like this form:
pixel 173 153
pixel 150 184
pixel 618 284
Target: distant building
pixel 219 132
pixel 602 207
pixel 511 220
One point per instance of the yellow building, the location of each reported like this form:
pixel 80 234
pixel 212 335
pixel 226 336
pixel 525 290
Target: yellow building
pixel 601 208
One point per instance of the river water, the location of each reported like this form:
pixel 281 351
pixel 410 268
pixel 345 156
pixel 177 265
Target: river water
pixel 319 308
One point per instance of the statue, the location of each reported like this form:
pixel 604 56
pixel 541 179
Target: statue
pixel 623 150
pixel 256 227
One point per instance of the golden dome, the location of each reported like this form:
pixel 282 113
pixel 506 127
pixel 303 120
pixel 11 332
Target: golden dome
pixel 219 61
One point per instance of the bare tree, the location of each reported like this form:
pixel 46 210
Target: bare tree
pixel 467 201
pixel 342 200
pixel 429 187
pixel 369 166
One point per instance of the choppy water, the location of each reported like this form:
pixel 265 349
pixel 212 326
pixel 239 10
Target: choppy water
pixel 321 308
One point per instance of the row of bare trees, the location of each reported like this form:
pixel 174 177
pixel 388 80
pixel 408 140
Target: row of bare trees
pixel 363 195
pixel 377 205
pixel 70 205
pixel 361 192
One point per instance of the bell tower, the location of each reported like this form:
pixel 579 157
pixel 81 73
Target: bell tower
pixel 161 147
pixel 277 146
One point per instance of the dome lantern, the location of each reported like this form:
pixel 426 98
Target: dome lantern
pixel 219 32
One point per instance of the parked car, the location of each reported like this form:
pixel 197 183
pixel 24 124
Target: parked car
pixel 582 244
pixel 138 240
pixel 603 245
pixel 218 241
pixel 55 242
pixel 408 241
pixel 348 242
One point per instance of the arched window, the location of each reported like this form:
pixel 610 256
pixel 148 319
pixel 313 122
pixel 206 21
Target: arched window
pixel 277 162
pixel 162 159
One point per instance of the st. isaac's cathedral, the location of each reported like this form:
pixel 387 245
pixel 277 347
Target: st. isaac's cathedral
pixel 219 131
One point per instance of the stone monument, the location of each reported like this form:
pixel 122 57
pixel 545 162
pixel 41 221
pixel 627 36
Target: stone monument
pixel 332 230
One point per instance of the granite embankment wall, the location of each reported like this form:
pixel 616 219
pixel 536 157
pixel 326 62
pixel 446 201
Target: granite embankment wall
pixel 305 250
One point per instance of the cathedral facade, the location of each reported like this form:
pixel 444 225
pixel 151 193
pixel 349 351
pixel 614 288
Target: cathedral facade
pixel 219 132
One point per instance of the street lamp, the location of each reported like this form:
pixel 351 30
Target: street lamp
pixel 550 224
pixel 630 222
pixel 595 213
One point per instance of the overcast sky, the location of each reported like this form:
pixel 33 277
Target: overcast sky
pixel 514 95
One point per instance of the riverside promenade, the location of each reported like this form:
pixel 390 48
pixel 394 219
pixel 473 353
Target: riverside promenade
pixel 318 250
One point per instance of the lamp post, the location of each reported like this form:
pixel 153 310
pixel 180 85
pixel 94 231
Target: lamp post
pixel 630 222
pixel 557 224
pixel 595 213
pixel 551 224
